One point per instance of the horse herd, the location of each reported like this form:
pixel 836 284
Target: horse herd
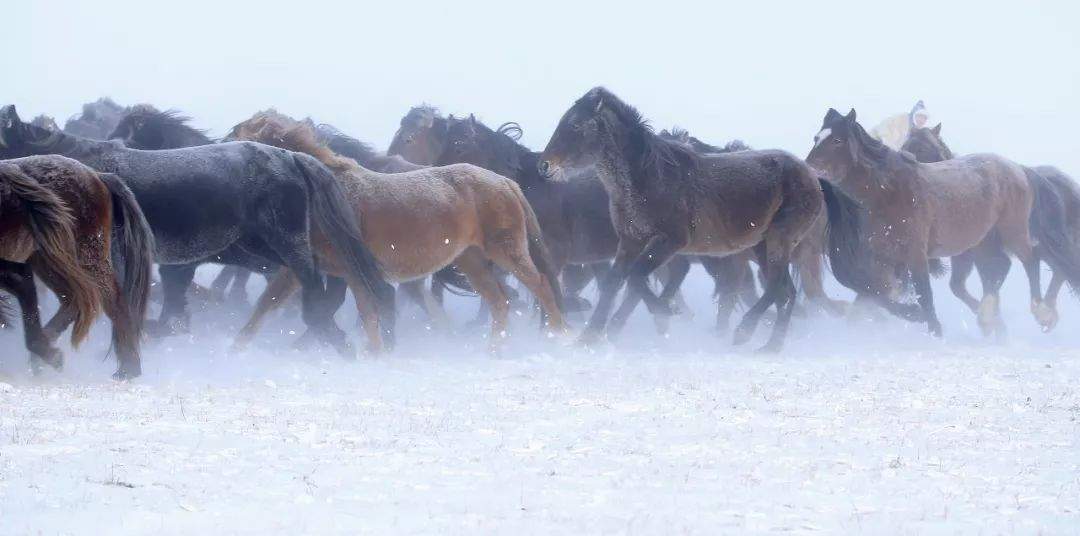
pixel 89 209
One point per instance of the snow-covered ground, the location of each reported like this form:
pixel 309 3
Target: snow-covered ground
pixel 857 428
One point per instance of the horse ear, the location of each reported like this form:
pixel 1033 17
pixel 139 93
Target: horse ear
pixel 832 115
pixel 850 116
pixel 936 130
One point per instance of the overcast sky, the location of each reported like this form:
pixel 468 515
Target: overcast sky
pixel 1002 76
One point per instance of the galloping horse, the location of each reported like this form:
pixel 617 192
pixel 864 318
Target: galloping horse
pixel 927 146
pixel 921 211
pixel 58 221
pixel 233 203
pixel 421 221
pixel 147 128
pixel 667 199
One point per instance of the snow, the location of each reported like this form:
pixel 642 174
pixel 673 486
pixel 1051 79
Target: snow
pixel 858 427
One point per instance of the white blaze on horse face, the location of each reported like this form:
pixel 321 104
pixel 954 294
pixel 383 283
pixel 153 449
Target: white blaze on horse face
pixel 821 136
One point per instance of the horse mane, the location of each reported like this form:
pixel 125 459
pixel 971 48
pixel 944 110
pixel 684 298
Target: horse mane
pixel 274 128
pixel 343 144
pixel 653 155
pixel 875 148
pixel 169 119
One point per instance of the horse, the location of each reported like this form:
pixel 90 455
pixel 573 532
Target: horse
pixel 97 119
pixel 667 199
pixel 991 261
pixel 421 221
pixel 147 128
pixel 421 136
pixel 230 203
pixel 421 139
pixel 916 211
pixel 59 221
pixel 808 255
pixel 573 215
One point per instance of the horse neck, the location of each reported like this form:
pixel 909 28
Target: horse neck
pixel 84 150
pixel 614 168
pixel 882 183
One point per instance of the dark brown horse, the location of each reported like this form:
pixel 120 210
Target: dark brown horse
pixel 916 212
pixel 989 258
pixel 59 219
pixel 666 199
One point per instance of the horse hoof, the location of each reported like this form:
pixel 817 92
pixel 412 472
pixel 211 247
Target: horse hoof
pixel 589 338
pixel 741 336
pixel 770 348
pixel 50 356
pixel 127 372
pixel 1046 316
pixel 935 328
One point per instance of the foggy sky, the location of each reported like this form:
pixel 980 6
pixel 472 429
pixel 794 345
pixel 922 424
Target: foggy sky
pixel 1002 77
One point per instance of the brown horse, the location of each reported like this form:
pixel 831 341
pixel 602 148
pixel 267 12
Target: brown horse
pixel 58 221
pixel 666 199
pixel 991 261
pixel 916 211
pixel 421 221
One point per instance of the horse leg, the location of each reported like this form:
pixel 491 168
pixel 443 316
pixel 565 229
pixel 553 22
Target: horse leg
pixel 753 315
pixel 728 274
pixel 238 291
pixel 813 283
pixel 575 278
pixel 174 317
pixel 658 251
pixel 1016 238
pixel 479 271
pixel 962 265
pixel 515 258
pixel 278 289
pixel 993 265
pixel 609 288
pixel 332 300
pixel 630 301
pixel 18 279
pixel 418 292
pixel 1056 282
pixel 780 276
pixel 125 335
pixel 221 281
pixel 368 311
pixel 920 277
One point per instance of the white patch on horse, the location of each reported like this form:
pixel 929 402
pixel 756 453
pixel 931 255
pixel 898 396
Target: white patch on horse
pixel 825 132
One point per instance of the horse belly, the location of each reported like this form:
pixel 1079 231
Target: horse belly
pixel 412 245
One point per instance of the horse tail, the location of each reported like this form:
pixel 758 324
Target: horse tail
pixel 453 281
pixel 134 255
pixel 1050 226
pixel 337 220
pixel 537 250
pixel 52 228
pixel 843 236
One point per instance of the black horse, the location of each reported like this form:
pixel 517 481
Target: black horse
pixel 147 128
pixel 232 203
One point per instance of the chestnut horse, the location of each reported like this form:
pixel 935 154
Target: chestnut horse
pixel 59 219
pixel 421 221
pixel 917 212
pixel 989 258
